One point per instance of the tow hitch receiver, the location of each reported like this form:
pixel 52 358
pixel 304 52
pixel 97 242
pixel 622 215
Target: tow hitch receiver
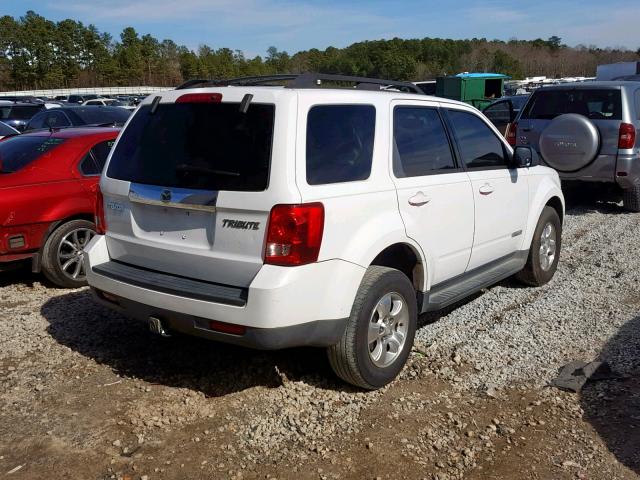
pixel 155 325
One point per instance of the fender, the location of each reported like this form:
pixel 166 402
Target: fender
pixel 544 186
pixel 359 237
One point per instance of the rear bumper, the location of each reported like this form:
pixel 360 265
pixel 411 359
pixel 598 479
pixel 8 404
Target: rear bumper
pixel 623 170
pixel 628 170
pixel 282 307
pixel 318 333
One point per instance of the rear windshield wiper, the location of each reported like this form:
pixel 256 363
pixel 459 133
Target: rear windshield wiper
pixel 207 171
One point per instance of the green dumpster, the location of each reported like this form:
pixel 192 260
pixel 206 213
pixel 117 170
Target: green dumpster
pixel 477 89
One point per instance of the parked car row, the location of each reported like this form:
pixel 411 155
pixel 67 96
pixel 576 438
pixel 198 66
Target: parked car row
pixel 233 210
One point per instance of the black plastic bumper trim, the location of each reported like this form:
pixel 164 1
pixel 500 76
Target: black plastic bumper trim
pixel 173 284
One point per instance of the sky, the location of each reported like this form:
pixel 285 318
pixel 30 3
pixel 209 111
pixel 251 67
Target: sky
pixel 293 25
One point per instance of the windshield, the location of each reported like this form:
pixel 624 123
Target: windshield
pixel 99 115
pixel 596 104
pixel 18 112
pixel 197 145
pixel 18 152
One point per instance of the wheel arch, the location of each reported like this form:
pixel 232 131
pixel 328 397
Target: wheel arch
pixel 53 226
pixel 549 194
pixel 406 257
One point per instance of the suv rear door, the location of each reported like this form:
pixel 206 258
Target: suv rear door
pixel 188 188
pixel 434 194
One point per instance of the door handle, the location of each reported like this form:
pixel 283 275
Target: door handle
pixel 419 199
pixel 486 189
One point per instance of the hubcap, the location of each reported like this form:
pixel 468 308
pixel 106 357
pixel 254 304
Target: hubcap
pixel 547 246
pixel 71 253
pixel 388 329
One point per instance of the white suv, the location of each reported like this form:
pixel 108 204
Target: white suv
pixel 274 217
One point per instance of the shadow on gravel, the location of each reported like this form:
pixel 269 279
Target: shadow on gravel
pixel 585 198
pixel 612 407
pixel 19 274
pixel 216 369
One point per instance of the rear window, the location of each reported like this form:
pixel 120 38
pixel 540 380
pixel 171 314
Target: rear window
pixel 339 143
pixel 18 113
pixel 197 145
pixel 99 115
pixel 596 104
pixel 18 152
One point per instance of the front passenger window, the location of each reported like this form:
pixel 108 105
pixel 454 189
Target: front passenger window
pixel 479 146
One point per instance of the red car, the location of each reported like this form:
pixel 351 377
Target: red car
pixel 48 183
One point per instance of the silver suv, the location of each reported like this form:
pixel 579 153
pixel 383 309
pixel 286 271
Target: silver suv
pixel 587 132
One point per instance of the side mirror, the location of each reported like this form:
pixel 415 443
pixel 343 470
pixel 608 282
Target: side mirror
pixel 524 157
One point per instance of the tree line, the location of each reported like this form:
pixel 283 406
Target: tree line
pixel 39 53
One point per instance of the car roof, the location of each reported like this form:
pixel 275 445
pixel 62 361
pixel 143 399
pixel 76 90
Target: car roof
pixel 596 84
pixel 81 108
pixel 74 132
pixel 340 94
pixel 9 103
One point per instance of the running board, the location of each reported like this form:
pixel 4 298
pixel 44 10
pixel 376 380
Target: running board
pixel 455 289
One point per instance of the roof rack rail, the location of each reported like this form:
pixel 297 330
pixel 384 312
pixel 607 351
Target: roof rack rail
pixel 305 80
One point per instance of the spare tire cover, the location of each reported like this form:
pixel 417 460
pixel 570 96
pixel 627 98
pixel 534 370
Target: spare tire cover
pixel 570 142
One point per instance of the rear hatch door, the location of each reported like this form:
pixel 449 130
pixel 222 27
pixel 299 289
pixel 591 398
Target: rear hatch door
pixel 187 190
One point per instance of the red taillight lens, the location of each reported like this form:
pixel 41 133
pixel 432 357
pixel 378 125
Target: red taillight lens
pixel 101 224
pixel 200 98
pixel 294 234
pixel 512 129
pixel 627 136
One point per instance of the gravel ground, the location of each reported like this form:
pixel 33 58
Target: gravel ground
pixel 86 393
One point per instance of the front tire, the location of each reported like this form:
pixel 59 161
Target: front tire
pixel 544 253
pixel 62 255
pixel 380 331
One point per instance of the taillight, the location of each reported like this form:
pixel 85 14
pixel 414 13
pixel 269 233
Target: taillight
pixel 200 98
pixel 294 234
pixel 512 129
pixel 101 224
pixel 627 136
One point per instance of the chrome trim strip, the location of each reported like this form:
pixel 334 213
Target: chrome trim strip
pixel 184 198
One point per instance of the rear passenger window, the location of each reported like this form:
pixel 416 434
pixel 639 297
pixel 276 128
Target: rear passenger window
pixel 339 143
pixel 479 146
pixel 93 162
pixel 421 146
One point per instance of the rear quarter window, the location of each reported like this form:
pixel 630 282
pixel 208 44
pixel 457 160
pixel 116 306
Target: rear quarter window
pixel 596 104
pixel 339 143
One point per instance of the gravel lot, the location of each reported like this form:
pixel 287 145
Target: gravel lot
pixel 85 393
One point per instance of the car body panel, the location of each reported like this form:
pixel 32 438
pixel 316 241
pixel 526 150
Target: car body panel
pixel 48 190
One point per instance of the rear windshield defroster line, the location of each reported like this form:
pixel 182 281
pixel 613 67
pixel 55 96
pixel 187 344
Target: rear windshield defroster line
pixel 204 146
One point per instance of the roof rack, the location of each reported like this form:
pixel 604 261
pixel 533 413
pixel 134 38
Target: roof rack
pixel 305 80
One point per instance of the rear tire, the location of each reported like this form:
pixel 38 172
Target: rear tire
pixel 380 331
pixel 541 266
pixel 631 198
pixel 62 255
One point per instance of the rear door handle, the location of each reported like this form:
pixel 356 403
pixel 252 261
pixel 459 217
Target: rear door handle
pixel 486 189
pixel 419 199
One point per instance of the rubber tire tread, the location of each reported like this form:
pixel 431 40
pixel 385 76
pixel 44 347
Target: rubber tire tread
pixel 49 252
pixel 532 274
pixel 342 356
pixel 631 198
